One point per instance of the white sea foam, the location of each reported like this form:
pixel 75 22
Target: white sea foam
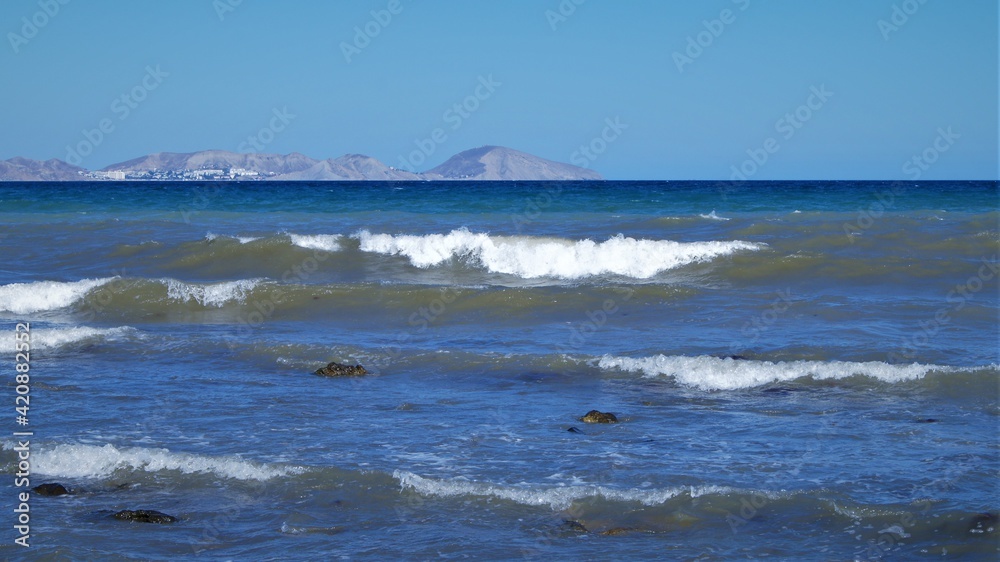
pixel 26 298
pixel 556 497
pixel 50 338
pixel 532 257
pixel 217 295
pixel 241 239
pixel 324 242
pixel 715 373
pixel 713 216
pixel 93 461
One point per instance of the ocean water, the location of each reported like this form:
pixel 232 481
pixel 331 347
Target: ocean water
pixel 800 370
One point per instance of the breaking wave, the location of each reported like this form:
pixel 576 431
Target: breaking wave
pixel 92 461
pixel 716 373
pixel 531 257
pixel 39 296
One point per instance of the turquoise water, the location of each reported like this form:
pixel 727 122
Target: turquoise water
pixel 800 370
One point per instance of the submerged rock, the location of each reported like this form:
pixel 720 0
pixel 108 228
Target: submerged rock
pixel 574 430
pixel 984 522
pixel 574 526
pixel 594 416
pixel 144 516
pixel 334 369
pixel 51 489
pixel 927 420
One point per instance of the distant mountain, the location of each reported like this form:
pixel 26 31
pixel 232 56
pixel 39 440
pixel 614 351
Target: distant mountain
pixel 350 167
pixel 265 164
pixel 24 169
pixel 499 163
pixel 484 163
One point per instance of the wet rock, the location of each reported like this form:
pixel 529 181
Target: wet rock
pixel 335 369
pixel 927 420
pixel 144 516
pixel 574 430
pixel 594 416
pixel 574 526
pixel 51 489
pixel 984 522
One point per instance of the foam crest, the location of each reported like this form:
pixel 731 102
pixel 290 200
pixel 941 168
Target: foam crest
pixel 716 373
pixel 50 338
pixel 92 461
pixel 532 257
pixel 26 298
pixel 556 497
pixel 324 242
pixel 217 295
pixel 713 216
pixel 241 239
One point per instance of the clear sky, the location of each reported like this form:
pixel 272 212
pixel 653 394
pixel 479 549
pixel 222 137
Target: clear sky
pixel 782 89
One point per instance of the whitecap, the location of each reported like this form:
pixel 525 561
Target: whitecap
pixel 533 257
pixel 556 497
pixel 93 461
pixel 324 242
pixel 38 296
pixel 217 295
pixel 716 373
pixel 50 338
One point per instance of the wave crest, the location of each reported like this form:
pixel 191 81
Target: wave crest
pixel 531 257
pixel 716 373
pixel 556 497
pixel 215 295
pixel 92 461
pixel 39 296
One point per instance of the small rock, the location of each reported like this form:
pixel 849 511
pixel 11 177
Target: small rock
pixel 594 416
pixel 927 420
pixel 574 526
pixel 51 489
pixel 335 369
pixel 144 516
pixel 574 430
pixel 983 522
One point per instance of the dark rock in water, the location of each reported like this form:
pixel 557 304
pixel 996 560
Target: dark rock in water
pixel 736 357
pixel 144 516
pixel 574 526
pixel 574 430
pixel 594 416
pixel 335 369
pixel 984 522
pixel 51 489
pixel 927 420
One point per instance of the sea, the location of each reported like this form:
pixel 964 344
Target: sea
pixel 799 370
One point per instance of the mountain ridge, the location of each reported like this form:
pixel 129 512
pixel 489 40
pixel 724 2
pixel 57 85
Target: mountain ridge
pixel 489 163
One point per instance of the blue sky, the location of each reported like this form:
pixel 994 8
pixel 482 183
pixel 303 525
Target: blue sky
pixel 700 89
